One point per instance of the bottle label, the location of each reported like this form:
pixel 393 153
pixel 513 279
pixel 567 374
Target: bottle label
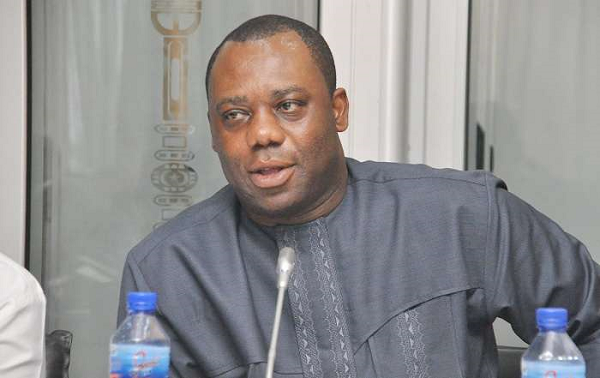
pixel 139 361
pixel 553 370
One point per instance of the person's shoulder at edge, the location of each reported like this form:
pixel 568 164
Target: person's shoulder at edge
pixel 203 212
pixel 17 283
pixel 382 172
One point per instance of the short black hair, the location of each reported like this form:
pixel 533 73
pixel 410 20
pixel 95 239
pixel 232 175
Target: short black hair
pixel 268 25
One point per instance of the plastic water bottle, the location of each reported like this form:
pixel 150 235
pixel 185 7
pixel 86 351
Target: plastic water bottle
pixel 552 354
pixel 140 347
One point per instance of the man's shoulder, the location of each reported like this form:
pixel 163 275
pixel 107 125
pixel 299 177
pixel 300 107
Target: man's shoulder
pixel 390 173
pixel 17 283
pixel 218 208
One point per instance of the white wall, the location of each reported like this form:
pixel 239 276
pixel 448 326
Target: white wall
pixel 368 42
pixel 403 63
pixel 13 129
pixel 445 78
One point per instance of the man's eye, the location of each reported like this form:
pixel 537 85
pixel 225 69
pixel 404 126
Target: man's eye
pixel 289 106
pixel 233 115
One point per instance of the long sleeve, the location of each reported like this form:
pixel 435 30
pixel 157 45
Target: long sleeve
pixel 22 316
pixel 531 263
pixel 131 280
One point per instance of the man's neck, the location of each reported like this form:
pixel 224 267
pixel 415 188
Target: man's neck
pixel 325 207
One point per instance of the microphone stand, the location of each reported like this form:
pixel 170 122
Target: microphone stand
pixel 285 266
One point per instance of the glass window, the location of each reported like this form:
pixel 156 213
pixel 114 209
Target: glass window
pixel 120 142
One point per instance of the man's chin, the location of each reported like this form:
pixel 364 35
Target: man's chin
pixel 275 212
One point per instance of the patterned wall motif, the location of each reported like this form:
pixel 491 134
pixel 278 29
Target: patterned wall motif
pixel 173 177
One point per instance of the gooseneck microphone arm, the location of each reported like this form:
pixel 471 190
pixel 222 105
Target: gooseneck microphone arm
pixel 275 333
pixel 285 266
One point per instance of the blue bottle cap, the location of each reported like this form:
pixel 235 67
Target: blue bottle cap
pixel 141 301
pixel 551 318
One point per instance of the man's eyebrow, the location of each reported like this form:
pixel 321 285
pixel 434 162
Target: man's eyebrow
pixel 235 100
pixel 279 93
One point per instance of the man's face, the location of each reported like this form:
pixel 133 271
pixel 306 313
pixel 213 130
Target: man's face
pixel 274 126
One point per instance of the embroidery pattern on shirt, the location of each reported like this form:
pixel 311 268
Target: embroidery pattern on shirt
pixel 413 348
pixel 303 323
pixel 332 299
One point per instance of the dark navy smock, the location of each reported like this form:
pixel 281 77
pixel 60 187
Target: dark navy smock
pixel 403 279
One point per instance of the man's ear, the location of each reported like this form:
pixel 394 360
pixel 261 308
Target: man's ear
pixel 212 134
pixel 339 103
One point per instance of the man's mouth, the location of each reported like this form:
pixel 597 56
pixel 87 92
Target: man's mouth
pixel 271 176
pixel 269 171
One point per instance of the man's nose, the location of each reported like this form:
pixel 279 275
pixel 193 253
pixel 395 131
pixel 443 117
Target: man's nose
pixel 265 130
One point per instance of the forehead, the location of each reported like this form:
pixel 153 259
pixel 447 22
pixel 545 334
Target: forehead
pixel 272 63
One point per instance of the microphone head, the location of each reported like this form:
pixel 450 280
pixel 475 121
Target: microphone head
pixel 285 265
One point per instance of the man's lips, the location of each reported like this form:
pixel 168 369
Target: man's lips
pixel 271 176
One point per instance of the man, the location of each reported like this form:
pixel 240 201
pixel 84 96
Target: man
pixel 22 316
pixel 400 269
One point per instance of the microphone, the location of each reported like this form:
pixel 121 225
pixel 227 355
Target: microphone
pixel 285 266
